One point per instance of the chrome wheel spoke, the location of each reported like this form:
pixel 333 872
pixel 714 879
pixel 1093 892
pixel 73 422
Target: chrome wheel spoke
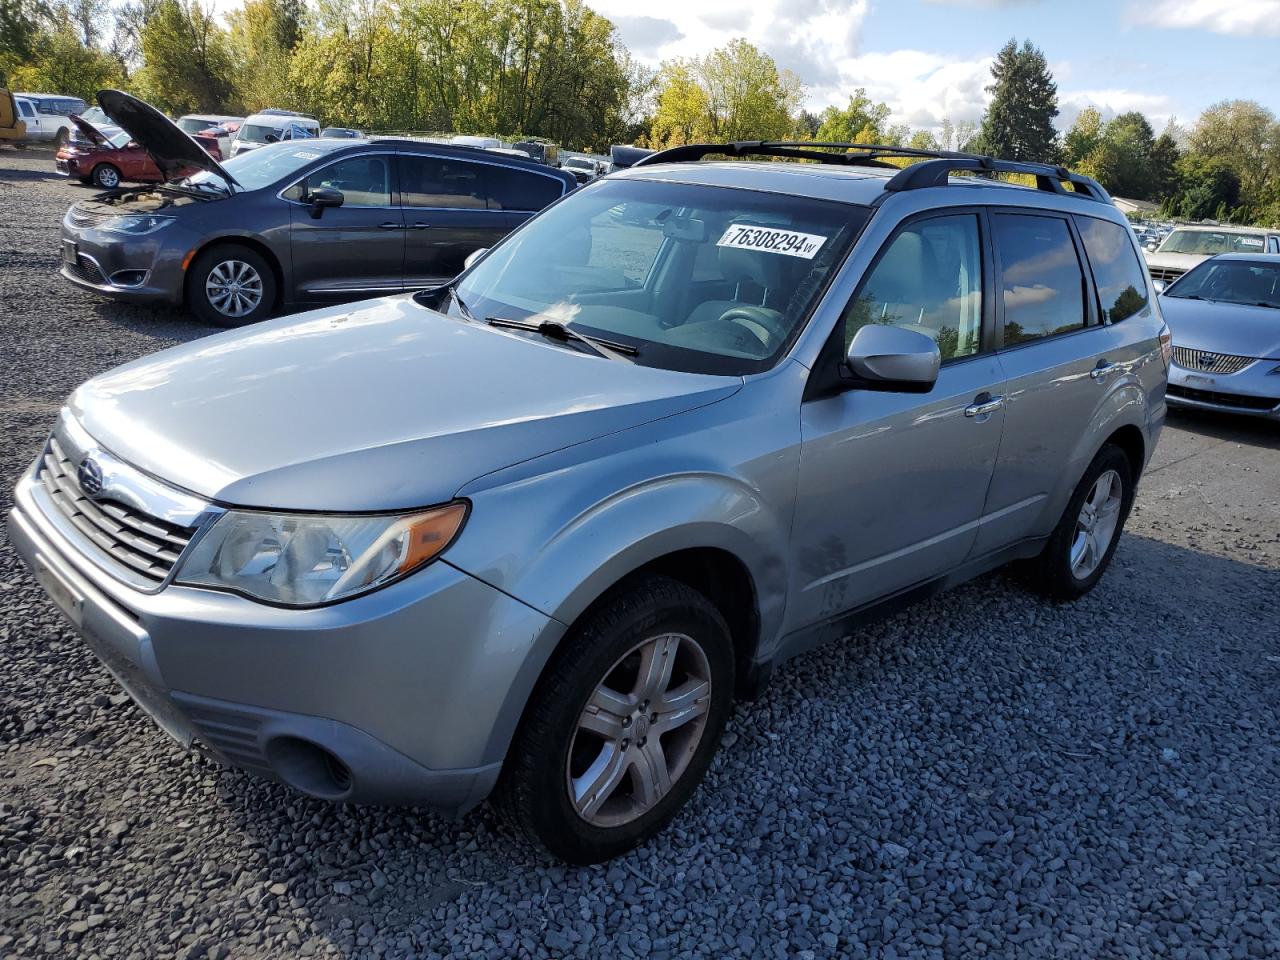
pixel 656 662
pixel 600 780
pixel 650 778
pixel 606 713
pixel 1097 524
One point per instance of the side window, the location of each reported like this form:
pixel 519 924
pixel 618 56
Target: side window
pixel 434 182
pixel 25 109
pixel 1119 277
pixel 517 190
pixel 1041 282
pixel 364 181
pixel 928 279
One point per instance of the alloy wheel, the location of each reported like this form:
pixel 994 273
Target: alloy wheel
pixel 1096 525
pixel 234 288
pixel 107 177
pixel 639 730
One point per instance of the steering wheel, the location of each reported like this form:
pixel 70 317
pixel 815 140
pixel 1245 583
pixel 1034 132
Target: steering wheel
pixel 753 318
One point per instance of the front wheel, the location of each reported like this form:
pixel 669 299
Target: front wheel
pixel 105 176
pixel 230 286
pixel 623 725
pixel 1080 548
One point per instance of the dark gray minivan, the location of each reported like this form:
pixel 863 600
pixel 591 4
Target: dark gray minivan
pixel 312 221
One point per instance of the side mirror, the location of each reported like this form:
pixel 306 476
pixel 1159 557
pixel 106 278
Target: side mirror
pixel 893 359
pixel 271 138
pixel 474 257
pixel 322 197
pixel 1159 285
pixel 1152 246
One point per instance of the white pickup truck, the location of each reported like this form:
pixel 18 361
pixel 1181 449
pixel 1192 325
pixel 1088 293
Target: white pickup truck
pixel 47 115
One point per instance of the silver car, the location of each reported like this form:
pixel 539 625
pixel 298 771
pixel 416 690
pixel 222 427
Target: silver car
pixel 1225 319
pixel 535 531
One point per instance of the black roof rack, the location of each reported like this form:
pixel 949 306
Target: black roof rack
pixel 934 170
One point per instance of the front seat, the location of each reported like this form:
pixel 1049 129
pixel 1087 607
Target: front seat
pixel 764 270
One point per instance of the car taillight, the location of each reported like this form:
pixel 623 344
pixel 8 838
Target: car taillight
pixel 1166 346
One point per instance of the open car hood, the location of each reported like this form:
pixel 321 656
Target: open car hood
pixel 173 151
pixel 90 132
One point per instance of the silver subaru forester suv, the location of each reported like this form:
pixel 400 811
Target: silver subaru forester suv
pixel 535 531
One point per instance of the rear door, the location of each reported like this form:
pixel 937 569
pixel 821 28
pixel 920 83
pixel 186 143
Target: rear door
pixel 454 206
pixel 352 249
pixel 1059 351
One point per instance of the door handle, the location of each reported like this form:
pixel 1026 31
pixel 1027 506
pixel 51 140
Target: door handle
pixel 391 225
pixel 419 225
pixel 1102 369
pixel 983 404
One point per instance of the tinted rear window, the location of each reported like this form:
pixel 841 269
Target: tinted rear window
pixel 1119 277
pixel 517 190
pixel 1042 285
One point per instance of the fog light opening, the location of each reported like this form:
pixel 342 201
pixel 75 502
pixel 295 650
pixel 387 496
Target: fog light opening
pixel 309 768
pixel 128 278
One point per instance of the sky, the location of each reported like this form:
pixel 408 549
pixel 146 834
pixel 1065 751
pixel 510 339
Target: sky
pixel 929 59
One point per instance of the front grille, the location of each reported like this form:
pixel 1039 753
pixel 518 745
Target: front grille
pixel 86 270
pixel 80 216
pixel 145 544
pixel 1167 274
pixel 1224 399
pixel 1206 361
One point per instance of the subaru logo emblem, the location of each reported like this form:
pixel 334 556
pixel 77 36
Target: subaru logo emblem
pixel 90 477
pixel 1207 360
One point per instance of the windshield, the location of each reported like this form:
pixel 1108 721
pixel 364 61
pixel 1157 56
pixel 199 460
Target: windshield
pixel 1212 242
pixel 269 164
pixel 697 278
pixel 119 140
pixel 194 125
pixel 1231 281
pixel 258 132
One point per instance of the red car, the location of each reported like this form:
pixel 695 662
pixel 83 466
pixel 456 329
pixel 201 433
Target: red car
pixel 105 158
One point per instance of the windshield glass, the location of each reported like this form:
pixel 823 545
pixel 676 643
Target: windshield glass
pixel 119 140
pixel 192 125
pixel 269 164
pixel 1212 242
pixel 702 279
pixel 1231 281
pixel 258 132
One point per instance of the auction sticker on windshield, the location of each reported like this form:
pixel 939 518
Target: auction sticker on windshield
pixel 792 243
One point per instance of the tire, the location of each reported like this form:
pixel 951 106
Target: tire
pixel 1065 570
pixel 106 176
pixel 654 620
pixel 231 285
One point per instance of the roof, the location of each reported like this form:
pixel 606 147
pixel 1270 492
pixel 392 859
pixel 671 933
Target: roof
pixel 822 181
pixel 1220 228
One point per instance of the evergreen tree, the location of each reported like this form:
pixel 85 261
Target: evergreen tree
pixel 1024 100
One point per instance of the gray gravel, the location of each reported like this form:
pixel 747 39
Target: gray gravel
pixel 984 775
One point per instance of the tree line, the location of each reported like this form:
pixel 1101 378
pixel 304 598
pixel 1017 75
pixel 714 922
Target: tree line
pixel 557 69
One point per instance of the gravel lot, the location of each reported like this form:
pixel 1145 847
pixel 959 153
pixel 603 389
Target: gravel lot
pixel 984 775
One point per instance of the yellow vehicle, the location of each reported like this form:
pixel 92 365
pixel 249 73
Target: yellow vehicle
pixel 12 127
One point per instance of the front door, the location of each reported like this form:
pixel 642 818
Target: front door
pixel 352 249
pixel 892 485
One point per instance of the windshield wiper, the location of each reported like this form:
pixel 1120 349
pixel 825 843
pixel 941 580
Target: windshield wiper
pixel 555 330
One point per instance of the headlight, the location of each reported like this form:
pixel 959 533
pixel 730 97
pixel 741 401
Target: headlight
pixel 304 560
pixel 135 226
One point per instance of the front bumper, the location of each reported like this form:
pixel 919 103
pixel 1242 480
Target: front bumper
pixel 401 696
pixel 1253 392
pixel 145 269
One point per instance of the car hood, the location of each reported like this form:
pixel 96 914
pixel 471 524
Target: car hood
pixel 88 130
pixel 383 405
pixel 1233 328
pixel 1178 261
pixel 173 151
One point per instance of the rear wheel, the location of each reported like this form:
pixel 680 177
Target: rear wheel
pixel 231 285
pixel 105 176
pixel 1080 548
pixel 623 725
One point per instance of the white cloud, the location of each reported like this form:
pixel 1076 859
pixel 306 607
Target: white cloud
pixel 1244 18
pixel 1158 108
pixel 920 88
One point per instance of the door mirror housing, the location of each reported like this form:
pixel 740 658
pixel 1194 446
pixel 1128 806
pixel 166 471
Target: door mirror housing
pixel 1159 285
pixel 474 257
pixel 1152 246
pixel 322 197
pixel 893 359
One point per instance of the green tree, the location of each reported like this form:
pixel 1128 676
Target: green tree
pixel 188 64
pixel 924 140
pixel 682 107
pixel 1024 100
pixel 1244 136
pixel 20 23
pixel 1163 166
pixel 59 61
pixel 1209 188
pixel 261 39
pixel 1083 138
pixel 861 120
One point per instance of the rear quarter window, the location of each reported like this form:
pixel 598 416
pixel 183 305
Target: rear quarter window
pixel 1119 277
pixel 517 190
